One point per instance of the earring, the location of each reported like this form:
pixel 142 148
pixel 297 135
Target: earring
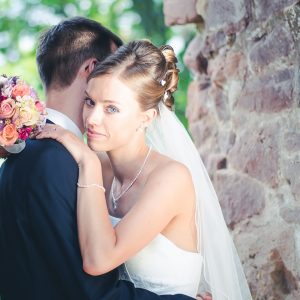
pixel 141 127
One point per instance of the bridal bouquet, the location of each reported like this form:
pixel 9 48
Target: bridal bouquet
pixel 22 114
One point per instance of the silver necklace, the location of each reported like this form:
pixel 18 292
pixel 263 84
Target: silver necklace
pixel 115 199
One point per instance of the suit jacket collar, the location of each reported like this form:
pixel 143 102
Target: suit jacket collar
pixel 62 120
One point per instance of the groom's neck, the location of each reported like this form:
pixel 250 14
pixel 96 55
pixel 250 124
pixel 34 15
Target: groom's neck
pixel 68 101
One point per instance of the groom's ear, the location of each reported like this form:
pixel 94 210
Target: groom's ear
pixel 88 66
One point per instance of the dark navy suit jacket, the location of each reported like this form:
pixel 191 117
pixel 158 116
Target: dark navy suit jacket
pixel 39 249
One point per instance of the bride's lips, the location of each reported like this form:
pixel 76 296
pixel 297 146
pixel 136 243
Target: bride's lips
pixel 94 135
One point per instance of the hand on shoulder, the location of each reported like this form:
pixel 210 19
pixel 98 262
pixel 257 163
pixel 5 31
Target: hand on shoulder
pixel 77 148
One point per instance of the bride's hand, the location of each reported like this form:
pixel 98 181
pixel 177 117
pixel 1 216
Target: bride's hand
pixel 205 296
pixel 77 148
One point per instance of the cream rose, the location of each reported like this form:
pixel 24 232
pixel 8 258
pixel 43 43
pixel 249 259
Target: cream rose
pixel 28 116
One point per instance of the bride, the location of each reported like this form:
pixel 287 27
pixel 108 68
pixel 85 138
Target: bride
pixel 147 203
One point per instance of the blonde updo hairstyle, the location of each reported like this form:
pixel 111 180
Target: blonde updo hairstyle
pixel 149 71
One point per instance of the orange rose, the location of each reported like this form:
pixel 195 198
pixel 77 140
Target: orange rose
pixel 7 108
pixel 20 90
pixel 9 135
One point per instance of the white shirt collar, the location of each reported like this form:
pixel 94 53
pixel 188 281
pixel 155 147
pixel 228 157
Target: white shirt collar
pixel 62 120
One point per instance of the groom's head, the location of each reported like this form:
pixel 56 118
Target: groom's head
pixel 65 47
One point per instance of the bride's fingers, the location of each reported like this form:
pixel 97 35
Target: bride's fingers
pixel 51 127
pixel 205 296
pixel 45 134
pixel 50 131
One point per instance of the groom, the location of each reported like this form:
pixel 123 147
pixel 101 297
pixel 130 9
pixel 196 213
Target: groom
pixel 39 250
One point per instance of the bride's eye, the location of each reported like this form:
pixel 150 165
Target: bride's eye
pixel 112 109
pixel 89 102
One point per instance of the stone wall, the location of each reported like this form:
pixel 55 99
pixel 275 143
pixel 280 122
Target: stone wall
pixel 244 115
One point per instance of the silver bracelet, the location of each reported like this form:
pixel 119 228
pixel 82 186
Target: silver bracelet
pixel 91 185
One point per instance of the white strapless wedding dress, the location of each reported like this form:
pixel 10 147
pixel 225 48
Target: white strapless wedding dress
pixel 163 268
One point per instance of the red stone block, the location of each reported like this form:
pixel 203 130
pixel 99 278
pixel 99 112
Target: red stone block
pixel 193 57
pixel 180 12
pixel 269 93
pixel 240 196
pixel 256 153
pixel 266 8
pixel 222 14
pixel 273 48
pixel 196 106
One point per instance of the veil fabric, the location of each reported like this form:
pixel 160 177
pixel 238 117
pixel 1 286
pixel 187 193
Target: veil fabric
pixel 222 272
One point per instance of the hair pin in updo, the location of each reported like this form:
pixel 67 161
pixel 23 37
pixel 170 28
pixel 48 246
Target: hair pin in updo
pixel 162 82
pixel 166 96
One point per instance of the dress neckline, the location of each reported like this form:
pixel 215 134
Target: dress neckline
pixel 172 244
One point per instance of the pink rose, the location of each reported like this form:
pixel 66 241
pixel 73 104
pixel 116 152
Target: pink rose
pixel 9 135
pixel 21 90
pixel 39 106
pixel 25 133
pixel 7 108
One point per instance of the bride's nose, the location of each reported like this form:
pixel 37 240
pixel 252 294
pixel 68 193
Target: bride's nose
pixel 95 116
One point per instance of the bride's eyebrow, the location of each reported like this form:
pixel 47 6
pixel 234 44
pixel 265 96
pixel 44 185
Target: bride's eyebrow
pixel 87 94
pixel 104 101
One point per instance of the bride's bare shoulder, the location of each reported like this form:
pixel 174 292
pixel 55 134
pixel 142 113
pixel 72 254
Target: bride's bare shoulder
pixel 169 182
pixel 167 169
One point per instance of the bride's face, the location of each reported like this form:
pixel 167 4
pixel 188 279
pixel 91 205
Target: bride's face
pixel 111 113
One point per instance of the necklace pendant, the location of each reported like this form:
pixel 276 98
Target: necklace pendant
pixel 116 199
pixel 115 205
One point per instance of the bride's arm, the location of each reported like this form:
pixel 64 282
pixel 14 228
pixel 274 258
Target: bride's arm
pixel 103 247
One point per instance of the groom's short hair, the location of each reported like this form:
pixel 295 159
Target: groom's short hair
pixel 64 47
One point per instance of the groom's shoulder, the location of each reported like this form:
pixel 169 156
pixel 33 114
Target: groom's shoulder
pixel 47 151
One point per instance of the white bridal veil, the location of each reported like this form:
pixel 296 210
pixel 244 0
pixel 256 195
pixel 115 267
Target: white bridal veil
pixel 222 270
